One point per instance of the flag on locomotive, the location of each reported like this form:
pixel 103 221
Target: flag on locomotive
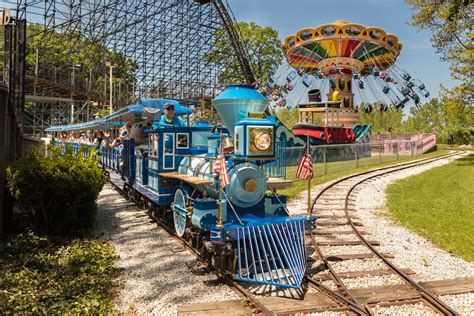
pixel 221 169
pixel 305 168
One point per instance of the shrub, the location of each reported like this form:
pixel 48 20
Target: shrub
pixel 57 192
pixel 51 276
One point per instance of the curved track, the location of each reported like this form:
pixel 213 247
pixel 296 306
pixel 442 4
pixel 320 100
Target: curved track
pixel 339 194
pixel 342 298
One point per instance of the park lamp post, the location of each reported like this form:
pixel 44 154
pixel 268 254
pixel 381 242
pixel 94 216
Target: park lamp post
pixel 111 66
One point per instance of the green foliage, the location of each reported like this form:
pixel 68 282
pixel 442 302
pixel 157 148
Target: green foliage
pixel 451 24
pixel 44 277
pixel 391 120
pixel 450 116
pixel 262 44
pixel 443 211
pixel 59 51
pixel 58 192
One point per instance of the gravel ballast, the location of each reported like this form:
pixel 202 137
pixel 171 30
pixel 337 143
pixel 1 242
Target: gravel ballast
pixel 156 276
pixel 410 250
pixel 155 271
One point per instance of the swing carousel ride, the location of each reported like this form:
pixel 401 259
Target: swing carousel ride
pixel 334 59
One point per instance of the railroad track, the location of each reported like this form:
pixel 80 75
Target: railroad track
pixel 338 228
pixel 339 299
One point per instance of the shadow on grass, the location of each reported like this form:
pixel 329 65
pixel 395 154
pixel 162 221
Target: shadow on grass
pixel 467 161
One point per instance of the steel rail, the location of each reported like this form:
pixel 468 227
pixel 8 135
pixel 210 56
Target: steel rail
pixel 354 306
pixel 427 295
pixel 433 300
pixel 240 289
pixel 355 303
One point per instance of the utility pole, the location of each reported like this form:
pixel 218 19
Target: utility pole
pixel 111 66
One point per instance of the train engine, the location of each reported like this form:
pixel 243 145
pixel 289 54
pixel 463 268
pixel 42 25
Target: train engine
pixel 243 228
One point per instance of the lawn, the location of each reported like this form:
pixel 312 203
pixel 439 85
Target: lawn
pixel 438 204
pixel 342 168
pixel 42 276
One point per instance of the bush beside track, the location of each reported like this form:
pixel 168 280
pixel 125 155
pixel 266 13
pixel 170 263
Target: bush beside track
pixel 46 276
pixel 57 192
pixel 437 205
pixel 58 268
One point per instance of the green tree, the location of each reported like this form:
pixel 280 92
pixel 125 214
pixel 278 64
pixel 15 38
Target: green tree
pixel 390 120
pixel 60 52
pixel 458 114
pixel 427 118
pixel 452 28
pixel 262 44
pixel 446 116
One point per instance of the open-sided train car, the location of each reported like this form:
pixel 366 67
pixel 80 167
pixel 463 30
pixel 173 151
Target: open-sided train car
pixel 243 229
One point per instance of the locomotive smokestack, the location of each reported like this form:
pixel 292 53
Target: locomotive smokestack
pixel 236 101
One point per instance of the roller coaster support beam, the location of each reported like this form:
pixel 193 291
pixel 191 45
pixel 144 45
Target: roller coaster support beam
pixel 239 49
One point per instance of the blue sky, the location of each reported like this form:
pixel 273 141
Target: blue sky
pixel 417 56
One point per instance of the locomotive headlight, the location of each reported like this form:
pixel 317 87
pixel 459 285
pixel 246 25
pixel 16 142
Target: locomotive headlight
pixel 261 140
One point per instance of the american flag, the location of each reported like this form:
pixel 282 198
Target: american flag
pixel 305 168
pixel 221 168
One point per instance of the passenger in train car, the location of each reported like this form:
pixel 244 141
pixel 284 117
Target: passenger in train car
pixel 89 137
pixel 82 138
pixel 99 138
pixel 169 117
pixel 106 140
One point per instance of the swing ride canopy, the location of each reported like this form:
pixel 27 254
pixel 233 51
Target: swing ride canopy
pixel 341 47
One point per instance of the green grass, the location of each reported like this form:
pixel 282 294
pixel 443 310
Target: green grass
pixel 343 168
pixel 438 204
pixel 42 276
pixel 454 147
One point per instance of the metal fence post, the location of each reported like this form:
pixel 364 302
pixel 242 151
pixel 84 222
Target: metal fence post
pixel 324 161
pixel 398 147
pixel 380 152
pixel 412 148
pixel 356 156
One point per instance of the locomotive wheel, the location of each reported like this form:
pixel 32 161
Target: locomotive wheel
pixel 178 219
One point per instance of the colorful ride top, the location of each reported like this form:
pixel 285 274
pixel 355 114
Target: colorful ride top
pixel 341 51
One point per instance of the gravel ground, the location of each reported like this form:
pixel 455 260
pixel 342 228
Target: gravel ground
pixel 409 249
pixel 155 276
pixel 404 310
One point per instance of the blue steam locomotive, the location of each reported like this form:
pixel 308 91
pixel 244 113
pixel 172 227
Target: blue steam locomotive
pixel 244 229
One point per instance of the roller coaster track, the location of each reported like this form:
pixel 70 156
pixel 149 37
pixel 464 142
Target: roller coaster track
pixel 233 33
pixel 349 184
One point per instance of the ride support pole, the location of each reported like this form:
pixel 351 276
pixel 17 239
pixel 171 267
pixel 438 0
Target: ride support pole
pixel 308 214
pixel 219 209
pixel 309 199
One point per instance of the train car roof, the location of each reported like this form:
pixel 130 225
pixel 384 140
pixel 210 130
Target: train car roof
pixel 129 113
pixel 95 124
